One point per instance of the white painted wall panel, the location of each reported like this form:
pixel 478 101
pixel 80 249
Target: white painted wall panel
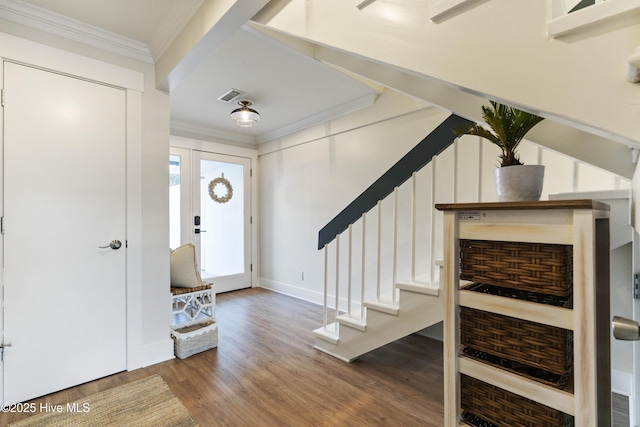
pixel 558 174
pixel 305 186
pixel 468 169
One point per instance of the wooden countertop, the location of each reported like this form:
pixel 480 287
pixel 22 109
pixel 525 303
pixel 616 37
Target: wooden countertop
pixel 539 205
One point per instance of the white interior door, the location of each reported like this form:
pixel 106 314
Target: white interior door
pixel 221 221
pixel 64 197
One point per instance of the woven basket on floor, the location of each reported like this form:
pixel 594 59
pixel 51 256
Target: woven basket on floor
pixel 535 267
pixel 532 346
pixel 505 409
pixel 196 338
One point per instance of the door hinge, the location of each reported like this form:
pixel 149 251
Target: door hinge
pixel 251 267
pixel 1 225
pixel 250 172
pixel 636 285
pixel 2 97
pixel 2 347
pixel 251 220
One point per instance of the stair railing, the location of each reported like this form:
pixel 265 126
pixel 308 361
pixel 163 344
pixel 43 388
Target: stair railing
pixel 381 289
pixel 433 265
pixel 404 170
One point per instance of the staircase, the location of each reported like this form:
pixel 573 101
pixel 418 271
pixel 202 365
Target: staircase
pixel 419 306
pixel 367 301
pixel 398 308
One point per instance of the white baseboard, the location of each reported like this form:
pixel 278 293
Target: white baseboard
pixel 314 297
pixel 160 351
pixel 292 290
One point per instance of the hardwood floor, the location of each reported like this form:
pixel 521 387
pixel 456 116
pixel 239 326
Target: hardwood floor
pixel 265 372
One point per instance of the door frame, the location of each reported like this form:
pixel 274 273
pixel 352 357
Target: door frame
pixel 183 145
pixel 36 55
pixel 232 281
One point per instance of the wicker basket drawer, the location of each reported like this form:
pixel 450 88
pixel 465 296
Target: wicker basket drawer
pixel 535 267
pixel 534 350
pixel 505 409
pixel 196 338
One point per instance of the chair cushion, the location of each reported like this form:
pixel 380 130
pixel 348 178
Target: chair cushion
pixel 184 268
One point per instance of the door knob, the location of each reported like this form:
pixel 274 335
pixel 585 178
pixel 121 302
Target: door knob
pixel 115 244
pixel 625 329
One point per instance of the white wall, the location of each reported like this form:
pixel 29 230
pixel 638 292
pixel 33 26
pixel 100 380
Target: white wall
pixel 308 181
pixel 156 319
pixel 307 178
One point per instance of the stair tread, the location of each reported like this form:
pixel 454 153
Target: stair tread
pixel 327 334
pixel 385 307
pixel 424 288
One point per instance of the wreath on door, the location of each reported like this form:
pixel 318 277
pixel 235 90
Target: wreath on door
pixel 224 182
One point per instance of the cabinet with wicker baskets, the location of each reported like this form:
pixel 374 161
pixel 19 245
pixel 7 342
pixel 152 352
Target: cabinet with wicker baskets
pixel 526 328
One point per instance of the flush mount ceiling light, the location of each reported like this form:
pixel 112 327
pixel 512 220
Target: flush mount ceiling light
pixel 244 116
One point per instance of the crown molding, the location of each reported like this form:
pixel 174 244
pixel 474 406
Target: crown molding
pixel 341 110
pixel 186 127
pixel 58 25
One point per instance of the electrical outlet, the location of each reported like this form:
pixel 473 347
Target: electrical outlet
pixel 302 276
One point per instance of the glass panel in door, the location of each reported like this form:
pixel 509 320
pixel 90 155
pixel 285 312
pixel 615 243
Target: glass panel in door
pixel 179 197
pixel 174 201
pixel 221 222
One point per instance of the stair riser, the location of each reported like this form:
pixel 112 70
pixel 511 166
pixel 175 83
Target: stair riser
pixel 417 312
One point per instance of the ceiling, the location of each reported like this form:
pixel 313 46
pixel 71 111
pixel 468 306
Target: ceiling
pixel 290 90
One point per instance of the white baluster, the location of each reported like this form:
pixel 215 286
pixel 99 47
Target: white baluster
pixel 413 227
pixel 337 312
pixel 364 233
pixel 395 246
pixel 324 303
pixel 379 246
pixel 480 164
pixel 349 275
pixel 454 179
pixel 432 224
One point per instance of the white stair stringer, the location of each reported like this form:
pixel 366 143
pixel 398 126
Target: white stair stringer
pixel 417 309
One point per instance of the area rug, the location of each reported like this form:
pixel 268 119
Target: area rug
pixel 148 402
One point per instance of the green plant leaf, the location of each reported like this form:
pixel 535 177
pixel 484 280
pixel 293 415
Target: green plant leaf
pixel 507 127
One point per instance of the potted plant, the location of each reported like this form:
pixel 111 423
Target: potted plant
pixel 515 181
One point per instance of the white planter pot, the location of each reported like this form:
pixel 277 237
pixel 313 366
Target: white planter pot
pixel 519 183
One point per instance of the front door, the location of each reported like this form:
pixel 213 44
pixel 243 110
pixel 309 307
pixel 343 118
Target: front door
pixel 221 219
pixel 64 203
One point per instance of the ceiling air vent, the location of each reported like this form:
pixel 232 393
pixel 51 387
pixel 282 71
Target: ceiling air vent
pixel 229 95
